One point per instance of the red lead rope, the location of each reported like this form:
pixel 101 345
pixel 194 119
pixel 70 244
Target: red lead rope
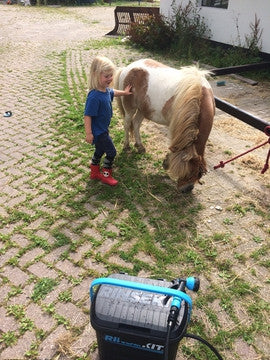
pixel 266 165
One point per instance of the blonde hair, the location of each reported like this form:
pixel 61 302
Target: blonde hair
pixel 99 65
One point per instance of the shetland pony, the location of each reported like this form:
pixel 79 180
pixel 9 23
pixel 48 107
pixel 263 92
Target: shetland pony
pixel 180 99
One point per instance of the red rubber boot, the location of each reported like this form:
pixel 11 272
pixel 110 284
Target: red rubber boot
pixel 95 172
pixel 106 177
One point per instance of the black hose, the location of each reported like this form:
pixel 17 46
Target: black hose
pixel 166 349
pixel 211 347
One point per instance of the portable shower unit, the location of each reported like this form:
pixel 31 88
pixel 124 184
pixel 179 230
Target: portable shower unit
pixel 140 319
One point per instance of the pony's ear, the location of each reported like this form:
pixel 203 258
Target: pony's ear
pixel 202 170
pixel 201 167
pixel 198 167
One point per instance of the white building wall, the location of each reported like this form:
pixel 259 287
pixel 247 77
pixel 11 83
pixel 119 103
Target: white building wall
pixel 232 25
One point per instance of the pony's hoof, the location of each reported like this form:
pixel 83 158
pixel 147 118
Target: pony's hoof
pixel 140 148
pixel 165 163
pixel 186 188
pixel 127 148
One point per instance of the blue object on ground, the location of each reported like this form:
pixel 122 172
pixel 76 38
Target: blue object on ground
pixel 7 114
pixel 221 83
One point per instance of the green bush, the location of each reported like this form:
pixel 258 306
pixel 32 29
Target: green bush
pixel 154 33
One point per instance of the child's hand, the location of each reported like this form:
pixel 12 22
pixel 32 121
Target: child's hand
pixel 127 90
pixel 89 138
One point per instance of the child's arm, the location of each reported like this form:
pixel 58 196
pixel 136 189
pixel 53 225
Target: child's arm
pixel 88 129
pixel 126 91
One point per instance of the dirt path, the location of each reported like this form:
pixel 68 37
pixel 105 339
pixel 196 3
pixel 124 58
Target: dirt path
pixel 30 78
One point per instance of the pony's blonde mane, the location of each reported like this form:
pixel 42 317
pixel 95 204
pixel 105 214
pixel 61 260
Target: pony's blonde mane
pixel 184 161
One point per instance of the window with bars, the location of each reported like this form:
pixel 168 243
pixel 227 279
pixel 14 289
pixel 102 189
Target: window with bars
pixel 216 3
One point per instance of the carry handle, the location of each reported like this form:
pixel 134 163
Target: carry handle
pixel 177 295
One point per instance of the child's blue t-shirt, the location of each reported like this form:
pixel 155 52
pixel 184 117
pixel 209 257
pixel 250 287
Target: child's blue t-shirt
pixel 99 106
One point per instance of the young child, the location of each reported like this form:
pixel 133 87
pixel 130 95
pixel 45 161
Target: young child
pixel 97 117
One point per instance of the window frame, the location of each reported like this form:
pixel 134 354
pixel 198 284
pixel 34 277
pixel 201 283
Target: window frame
pixel 211 3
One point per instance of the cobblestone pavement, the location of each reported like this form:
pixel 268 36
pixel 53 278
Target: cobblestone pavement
pixel 33 251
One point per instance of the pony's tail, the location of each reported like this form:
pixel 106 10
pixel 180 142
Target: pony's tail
pixel 185 164
pixel 116 84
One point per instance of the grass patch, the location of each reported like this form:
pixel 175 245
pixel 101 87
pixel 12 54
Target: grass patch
pixel 42 288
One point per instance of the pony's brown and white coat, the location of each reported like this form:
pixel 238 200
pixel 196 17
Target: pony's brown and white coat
pixel 181 99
